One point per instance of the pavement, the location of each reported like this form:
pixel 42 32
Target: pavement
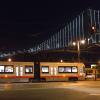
pixel 78 90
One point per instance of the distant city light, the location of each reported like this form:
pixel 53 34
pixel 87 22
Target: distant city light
pixel 93 65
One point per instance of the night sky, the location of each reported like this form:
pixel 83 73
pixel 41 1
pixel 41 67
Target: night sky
pixel 25 24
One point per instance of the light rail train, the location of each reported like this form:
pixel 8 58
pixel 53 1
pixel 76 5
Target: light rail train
pixel 41 71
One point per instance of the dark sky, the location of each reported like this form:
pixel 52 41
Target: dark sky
pixel 24 24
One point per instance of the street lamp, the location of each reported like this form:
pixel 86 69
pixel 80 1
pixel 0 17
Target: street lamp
pixel 93 30
pixel 61 60
pixel 77 43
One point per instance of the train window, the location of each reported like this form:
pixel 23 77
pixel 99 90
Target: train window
pixel 45 69
pixel 9 69
pixel 61 69
pixel 67 69
pixel 1 69
pixel 74 69
pixel 28 69
pixel 64 69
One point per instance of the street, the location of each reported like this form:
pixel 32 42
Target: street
pixel 80 90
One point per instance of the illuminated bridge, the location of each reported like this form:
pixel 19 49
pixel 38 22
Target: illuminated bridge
pixel 85 26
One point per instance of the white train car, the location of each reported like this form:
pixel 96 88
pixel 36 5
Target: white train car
pixel 37 71
pixel 16 71
pixel 57 71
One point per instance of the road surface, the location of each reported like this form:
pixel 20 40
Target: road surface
pixel 80 90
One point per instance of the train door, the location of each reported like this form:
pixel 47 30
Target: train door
pixel 19 70
pixel 53 72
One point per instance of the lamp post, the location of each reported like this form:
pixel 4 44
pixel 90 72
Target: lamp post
pixel 78 47
pixel 78 50
pixel 61 60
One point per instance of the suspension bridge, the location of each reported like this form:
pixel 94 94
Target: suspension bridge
pixel 84 27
